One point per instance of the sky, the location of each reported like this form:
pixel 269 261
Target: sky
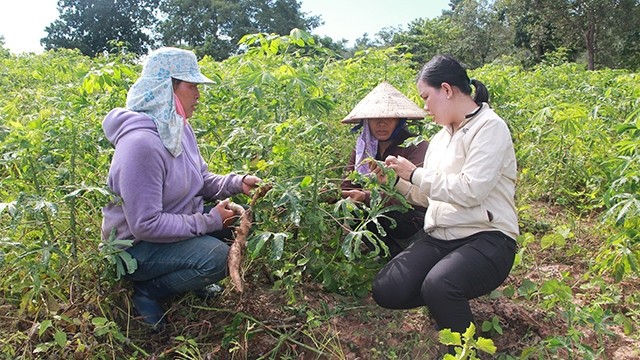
pixel 22 22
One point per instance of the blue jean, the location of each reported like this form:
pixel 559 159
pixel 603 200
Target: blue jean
pixel 176 268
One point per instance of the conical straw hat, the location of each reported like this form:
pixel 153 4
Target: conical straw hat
pixel 385 101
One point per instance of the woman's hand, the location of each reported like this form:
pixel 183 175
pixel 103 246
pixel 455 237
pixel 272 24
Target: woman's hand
pixel 354 194
pixel 225 213
pixel 250 182
pixel 400 165
pixel 378 172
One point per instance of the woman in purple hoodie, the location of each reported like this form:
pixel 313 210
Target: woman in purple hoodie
pixel 161 184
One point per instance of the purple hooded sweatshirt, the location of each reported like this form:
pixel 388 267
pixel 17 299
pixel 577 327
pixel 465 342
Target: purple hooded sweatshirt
pixel 160 198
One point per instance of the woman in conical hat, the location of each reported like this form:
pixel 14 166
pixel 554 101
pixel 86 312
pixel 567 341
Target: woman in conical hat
pixel 382 118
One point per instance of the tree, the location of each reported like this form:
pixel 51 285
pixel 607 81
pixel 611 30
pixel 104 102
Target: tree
pixel 605 31
pixel 386 35
pixel 3 50
pixel 339 48
pixel 534 27
pixel 425 38
pixel 623 40
pixel 200 30
pixel 485 37
pixel 92 25
pixel 364 42
pixel 605 24
pixel 217 25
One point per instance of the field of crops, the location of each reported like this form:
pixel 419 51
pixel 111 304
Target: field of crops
pixel 275 112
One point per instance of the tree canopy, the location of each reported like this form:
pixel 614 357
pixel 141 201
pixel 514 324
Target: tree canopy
pixel 218 25
pixel 92 25
pixel 598 33
pixel 209 27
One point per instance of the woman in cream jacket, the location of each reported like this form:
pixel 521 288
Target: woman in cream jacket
pixel 467 246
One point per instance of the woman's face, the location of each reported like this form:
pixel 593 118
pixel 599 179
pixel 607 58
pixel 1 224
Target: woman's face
pixel 382 128
pixel 435 102
pixel 188 94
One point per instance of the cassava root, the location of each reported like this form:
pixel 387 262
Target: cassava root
pixel 238 249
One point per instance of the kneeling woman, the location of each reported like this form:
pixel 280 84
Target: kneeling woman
pixel 382 115
pixel 469 176
pixel 161 183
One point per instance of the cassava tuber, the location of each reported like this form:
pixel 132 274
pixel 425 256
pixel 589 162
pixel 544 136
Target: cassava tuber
pixel 239 247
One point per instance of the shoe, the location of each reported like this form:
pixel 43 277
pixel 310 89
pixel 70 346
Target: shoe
pixel 210 291
pixel 148 308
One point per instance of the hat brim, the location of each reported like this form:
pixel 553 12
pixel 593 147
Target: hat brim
pixel 384 102
pixel 194 78
pixel 354 120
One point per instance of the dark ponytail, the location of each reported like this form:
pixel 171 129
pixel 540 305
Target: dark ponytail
pixel 482 94
pixel 444 68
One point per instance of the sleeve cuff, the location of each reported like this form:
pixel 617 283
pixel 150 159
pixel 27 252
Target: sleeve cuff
pixel 417 175
pixel 237 183
pixel 214 221
pixel 403 187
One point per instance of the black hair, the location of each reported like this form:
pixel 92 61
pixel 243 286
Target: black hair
pixel 444 68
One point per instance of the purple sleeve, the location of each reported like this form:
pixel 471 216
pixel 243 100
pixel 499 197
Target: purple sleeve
pixel 139 182
pixel 221 186
pixel 218 187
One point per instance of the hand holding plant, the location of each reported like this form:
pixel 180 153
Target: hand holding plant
pixel 225 212
pixel 377 168
pixel 354 194
pixel 250 182
pixel 400 165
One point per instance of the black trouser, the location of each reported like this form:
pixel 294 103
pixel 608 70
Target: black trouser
pixel 444 275
pixel 407 224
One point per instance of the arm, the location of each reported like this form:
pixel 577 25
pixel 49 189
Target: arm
pixel 139 180
pixel 479 173
pixel 415 155
pixel 220 186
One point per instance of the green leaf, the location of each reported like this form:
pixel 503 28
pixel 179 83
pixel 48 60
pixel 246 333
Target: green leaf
pixel 61 338
pixel 527 287
pixel 130 263
pixel 278 246
pixel 306 181
pixel 550 240
pixel 497 327
pixel 44 326
pixel 486 345
pixel 448 337
pixel 508 291
pixel 470 332
pixel 486 326
pixel 99 321
pixel 347 244
pixel 627 323
pixel 258 242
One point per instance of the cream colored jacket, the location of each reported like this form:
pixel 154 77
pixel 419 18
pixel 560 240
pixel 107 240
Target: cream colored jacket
pixel 468 180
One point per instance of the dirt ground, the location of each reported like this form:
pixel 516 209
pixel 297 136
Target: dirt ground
pixel 342 327
pixel 264 323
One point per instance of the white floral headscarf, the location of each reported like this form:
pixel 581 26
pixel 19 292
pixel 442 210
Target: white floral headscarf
pixel 152 94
